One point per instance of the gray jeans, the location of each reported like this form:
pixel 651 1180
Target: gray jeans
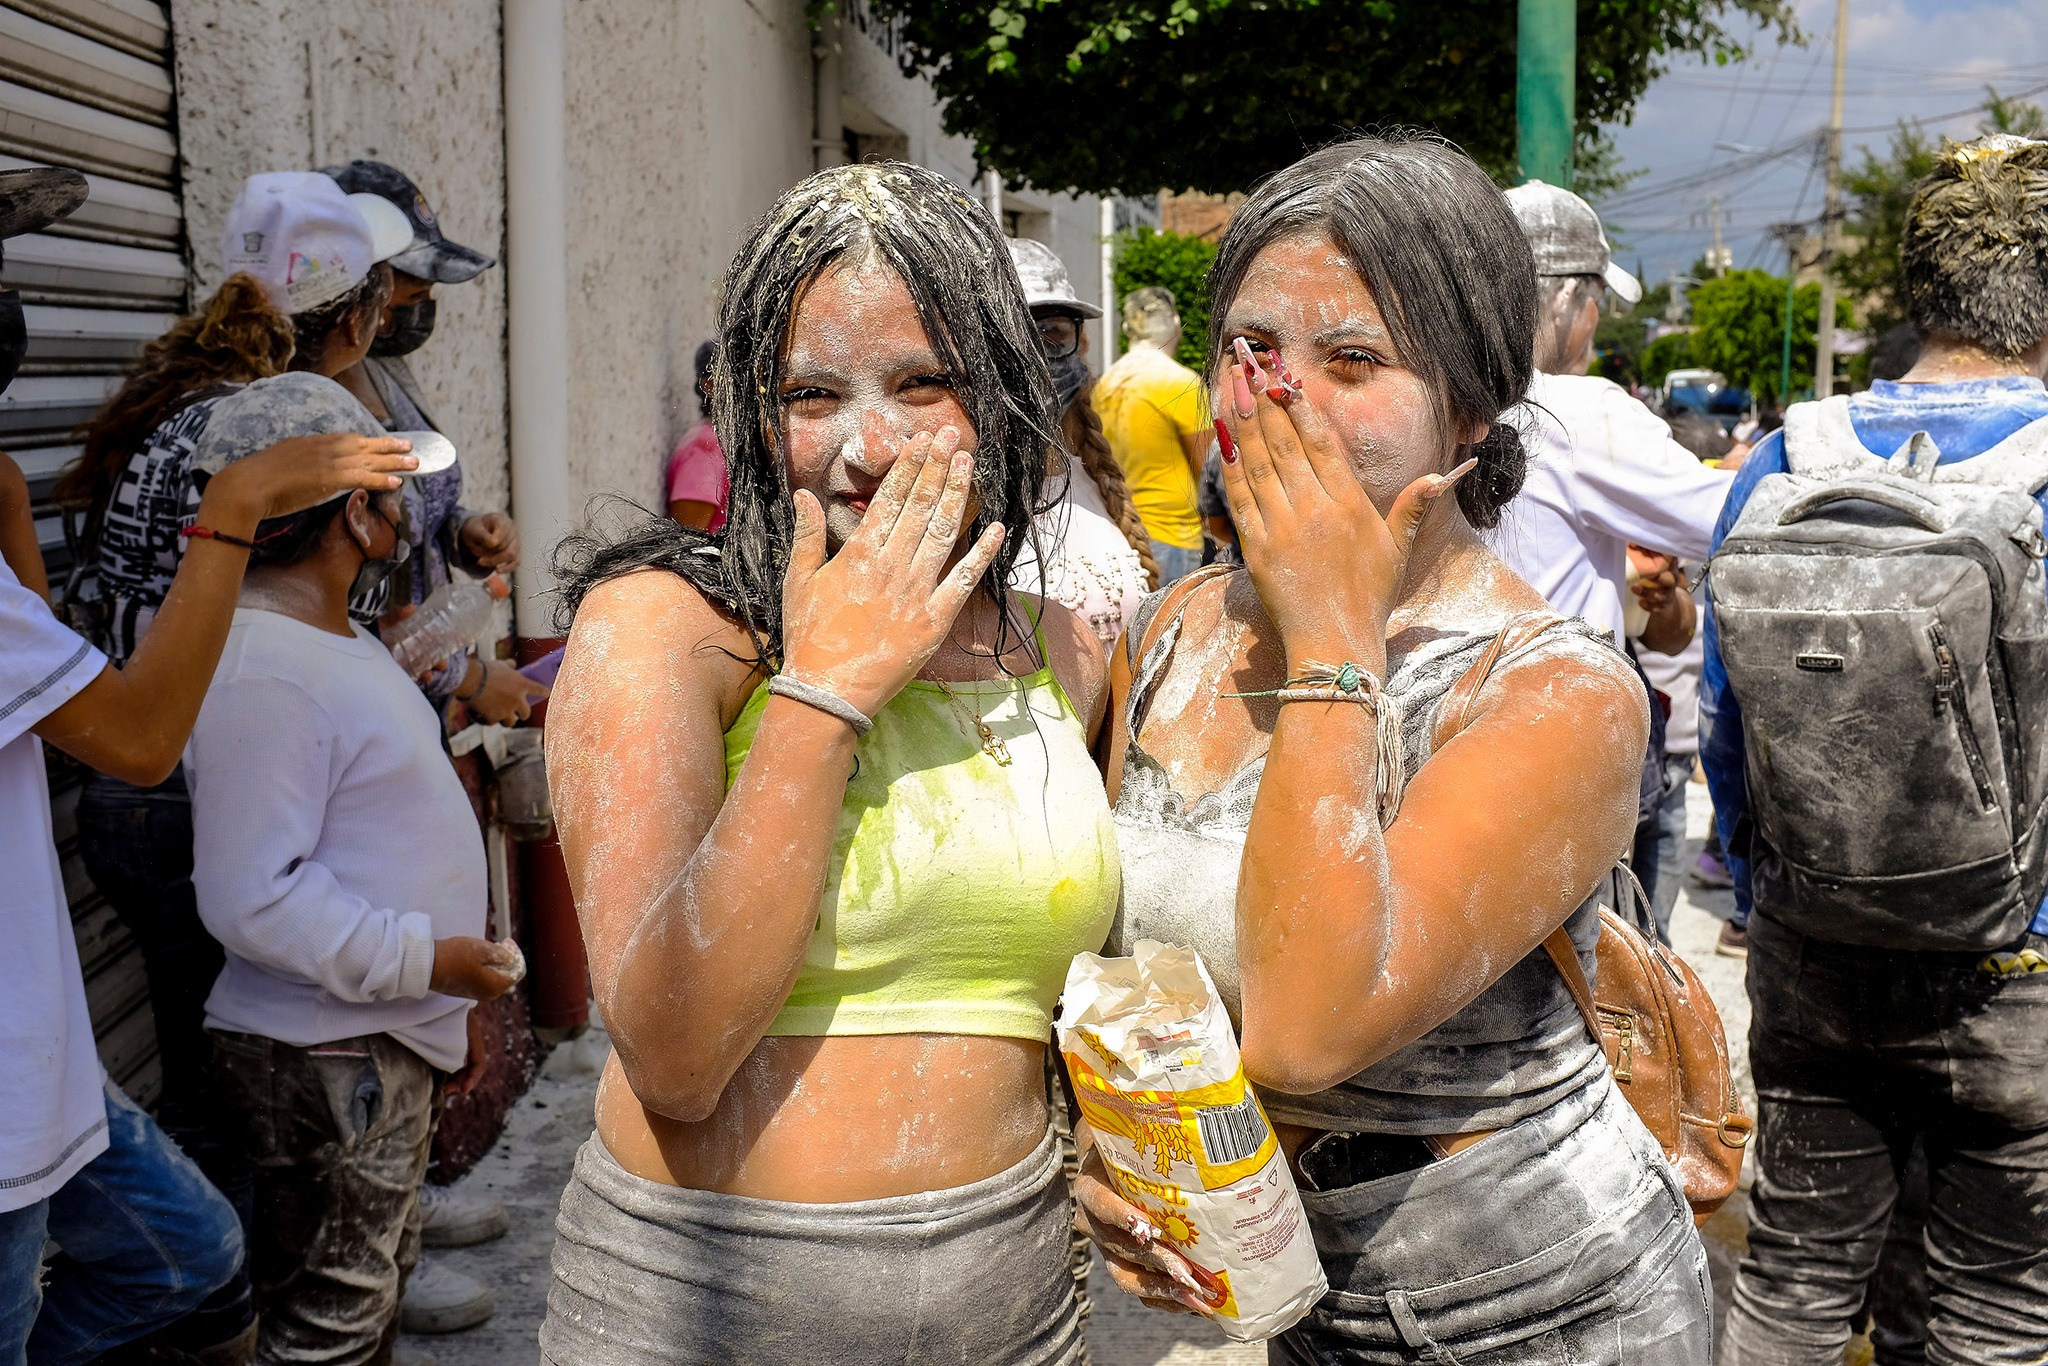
pixel 1563 1240
pixel 653 1275
pixel 338 1136
pixel 1859 1055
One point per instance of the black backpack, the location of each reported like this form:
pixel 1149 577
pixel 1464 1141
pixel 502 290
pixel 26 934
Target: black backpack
pixel 1884 624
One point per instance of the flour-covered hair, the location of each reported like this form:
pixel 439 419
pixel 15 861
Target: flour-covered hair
pixel 1975 247
pixel 942 243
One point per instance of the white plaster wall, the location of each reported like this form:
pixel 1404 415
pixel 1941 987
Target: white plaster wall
pixel 274 85
pixel 686 118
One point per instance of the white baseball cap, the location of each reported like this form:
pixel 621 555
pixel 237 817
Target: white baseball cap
pixel 1566 237
pixel 305 241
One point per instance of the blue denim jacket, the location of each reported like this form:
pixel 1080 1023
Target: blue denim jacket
pixel 1965 420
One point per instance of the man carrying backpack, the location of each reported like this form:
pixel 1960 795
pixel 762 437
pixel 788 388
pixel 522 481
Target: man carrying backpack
pixel 1876 714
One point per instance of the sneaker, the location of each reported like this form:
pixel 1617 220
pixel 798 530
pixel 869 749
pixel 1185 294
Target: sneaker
pixel 1734 940
pixel 441 1300
pixel 453 1218
pixel 1710 871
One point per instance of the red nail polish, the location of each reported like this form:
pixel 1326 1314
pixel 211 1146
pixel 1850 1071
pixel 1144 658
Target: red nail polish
pixel 1279 393
pixel 1223 440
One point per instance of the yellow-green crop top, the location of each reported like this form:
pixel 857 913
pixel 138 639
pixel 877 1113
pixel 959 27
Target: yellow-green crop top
pixel 959 889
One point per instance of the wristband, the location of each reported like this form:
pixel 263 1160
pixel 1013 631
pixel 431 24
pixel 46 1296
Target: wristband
pixel 1346 682
pixel 824 699
pixel 207 533
pixel 483 676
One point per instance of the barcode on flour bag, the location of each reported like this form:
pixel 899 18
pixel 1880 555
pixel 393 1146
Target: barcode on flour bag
pixel 1231 1133
pixel 1158 1079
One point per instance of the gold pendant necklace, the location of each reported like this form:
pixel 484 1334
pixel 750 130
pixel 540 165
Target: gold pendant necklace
pixel 991 743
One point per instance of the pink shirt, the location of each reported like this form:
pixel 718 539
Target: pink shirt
pixel 696 472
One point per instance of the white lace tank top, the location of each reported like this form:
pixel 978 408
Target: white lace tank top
pixel 1516 1049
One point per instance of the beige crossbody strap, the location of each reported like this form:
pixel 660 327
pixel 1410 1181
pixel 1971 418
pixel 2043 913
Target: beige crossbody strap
pixel 1457 706
pixel 1565 954
pixel 1172 600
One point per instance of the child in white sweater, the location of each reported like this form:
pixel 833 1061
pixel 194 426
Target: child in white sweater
pixel 336 858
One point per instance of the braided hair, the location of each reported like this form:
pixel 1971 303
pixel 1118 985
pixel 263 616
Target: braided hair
pixel 1081 426
pixel 949 253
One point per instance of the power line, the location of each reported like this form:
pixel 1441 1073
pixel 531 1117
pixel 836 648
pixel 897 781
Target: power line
pixel 1951 114
pixel 1699 180
pixel 1793 105
pixel 1712 175
pixel 1777 54
pixel 1932 86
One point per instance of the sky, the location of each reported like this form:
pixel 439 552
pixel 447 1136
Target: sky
pixel 1907 59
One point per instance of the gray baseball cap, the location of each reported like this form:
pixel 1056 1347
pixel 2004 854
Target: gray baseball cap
pixel 300 403
pixel 431 256
pixel 1045 278
pixel 1566 236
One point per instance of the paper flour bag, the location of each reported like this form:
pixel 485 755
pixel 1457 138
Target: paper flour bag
pixel 1155 1068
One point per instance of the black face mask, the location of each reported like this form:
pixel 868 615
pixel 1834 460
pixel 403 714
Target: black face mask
pixel 13 336
pixel 1068 375
pixel 410 328
pixel 375 572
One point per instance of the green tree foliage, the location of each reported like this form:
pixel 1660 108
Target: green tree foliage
pixel 1673 351
pixel 1739 329
pixel 1125 96
pixel 1173 261
pixel 1618 344
pixel 1881 190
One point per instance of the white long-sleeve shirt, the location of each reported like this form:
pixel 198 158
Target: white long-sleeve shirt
pixel 1603 471
pixel 332 843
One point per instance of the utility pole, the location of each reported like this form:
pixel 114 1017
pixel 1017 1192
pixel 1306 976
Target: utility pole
pixel 1719 258
pixel 992 195
pixel 828 121
pixel 1546 72
pixel 1830 234
pixel 1111 331
pixel 1790 235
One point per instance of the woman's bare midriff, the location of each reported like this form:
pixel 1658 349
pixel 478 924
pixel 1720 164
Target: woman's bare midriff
pixel 830 1119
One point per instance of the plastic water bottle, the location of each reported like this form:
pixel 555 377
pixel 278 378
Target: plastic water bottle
pixel 451 619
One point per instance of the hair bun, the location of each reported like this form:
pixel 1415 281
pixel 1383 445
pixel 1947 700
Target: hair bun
pixel 1503 465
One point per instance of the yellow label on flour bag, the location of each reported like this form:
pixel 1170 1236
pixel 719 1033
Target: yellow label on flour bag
pixel 1156 1072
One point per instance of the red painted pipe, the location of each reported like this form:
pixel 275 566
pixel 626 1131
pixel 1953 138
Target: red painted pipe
pixel 558 972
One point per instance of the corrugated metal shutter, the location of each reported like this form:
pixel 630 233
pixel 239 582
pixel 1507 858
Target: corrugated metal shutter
pixel 87 84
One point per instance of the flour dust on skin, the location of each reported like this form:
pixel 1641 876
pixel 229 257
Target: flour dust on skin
pixel 1451 594
pixel 824 1118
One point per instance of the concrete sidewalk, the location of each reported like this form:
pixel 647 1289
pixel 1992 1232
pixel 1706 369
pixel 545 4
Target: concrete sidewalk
pixel 530 1164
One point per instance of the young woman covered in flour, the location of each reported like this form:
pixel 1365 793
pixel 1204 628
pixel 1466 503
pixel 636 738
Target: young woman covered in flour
pixel 825 789
pixel 1369 865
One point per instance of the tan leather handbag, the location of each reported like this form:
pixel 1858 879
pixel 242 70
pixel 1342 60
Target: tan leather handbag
pixel 1650 1014
pixel 1669 1055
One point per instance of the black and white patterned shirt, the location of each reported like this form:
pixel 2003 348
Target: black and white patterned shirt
pixel 139 544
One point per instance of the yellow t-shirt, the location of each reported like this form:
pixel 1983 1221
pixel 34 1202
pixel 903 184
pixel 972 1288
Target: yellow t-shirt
pixel 1148 401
